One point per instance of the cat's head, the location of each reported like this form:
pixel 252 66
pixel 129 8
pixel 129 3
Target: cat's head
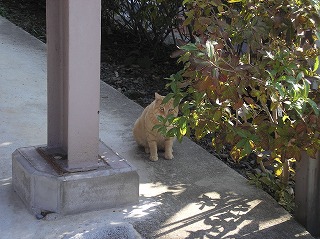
pixel 164 109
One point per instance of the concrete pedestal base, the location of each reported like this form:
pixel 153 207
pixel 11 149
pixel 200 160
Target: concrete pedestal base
pixel 43 188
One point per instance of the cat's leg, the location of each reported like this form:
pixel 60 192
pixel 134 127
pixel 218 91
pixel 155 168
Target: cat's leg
pixel 146 149
pixel 153 150
pixel 168 148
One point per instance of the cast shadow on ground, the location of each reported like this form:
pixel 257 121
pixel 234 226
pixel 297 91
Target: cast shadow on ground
pixel 212 215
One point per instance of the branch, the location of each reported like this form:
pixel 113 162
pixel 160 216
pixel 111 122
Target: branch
pixel 264 106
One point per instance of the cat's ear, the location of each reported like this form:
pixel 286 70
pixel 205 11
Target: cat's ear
pixel 157 96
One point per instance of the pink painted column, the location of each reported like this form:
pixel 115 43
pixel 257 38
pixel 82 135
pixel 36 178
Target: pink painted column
pixel 73 41
pixel 67 175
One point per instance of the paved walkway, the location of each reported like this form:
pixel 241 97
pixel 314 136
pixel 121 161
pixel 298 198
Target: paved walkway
pixel 192 196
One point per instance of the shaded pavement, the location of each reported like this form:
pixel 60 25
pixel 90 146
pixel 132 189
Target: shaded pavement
pixel 192 196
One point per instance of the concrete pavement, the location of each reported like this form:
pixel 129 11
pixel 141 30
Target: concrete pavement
pixel 192 196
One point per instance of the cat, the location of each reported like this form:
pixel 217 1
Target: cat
pixel 150 138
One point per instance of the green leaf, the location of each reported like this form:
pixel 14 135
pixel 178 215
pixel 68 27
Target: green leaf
pixel 316 64
pixel 189 47
pixel 185 2
pixel 314 106
pixel 271 74
pixel 241 143
pixel 298 107
pixel 217 115
pixel 247 148
pixel 291 80
pixel 242 133
pixel 185 108
pixel 160 128
pixel 157 126
pixel 177 100
pixel 300 76
pixel 161 119
pixel 306 89
pixel 170 118
pixel 172 132
pixel 174 87
pixel 266 181
pixel 280 89
pixel 184 58
pixel 200 132
pixel 183 128
pixel 167 98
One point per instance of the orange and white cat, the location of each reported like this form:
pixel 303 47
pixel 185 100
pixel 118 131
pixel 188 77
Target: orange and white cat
pixel 150 138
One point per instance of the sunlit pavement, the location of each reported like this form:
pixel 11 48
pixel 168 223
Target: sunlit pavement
pixel 192 196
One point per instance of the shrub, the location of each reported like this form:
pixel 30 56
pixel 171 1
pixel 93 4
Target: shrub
pixel 150 21
pixel 250 80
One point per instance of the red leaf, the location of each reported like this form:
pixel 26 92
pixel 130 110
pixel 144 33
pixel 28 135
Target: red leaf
pixel 249 100
pixel 238 105
pixel 223 77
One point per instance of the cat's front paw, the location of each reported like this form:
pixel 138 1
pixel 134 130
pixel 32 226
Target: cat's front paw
pixel 154 157
pixel 168 156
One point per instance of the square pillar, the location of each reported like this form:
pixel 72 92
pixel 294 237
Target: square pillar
pixel 74 172
pixel 73 33
pixel 307 193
